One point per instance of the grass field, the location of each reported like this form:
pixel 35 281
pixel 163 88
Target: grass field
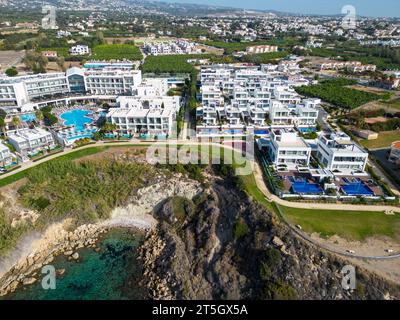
pixel 385 139
pixel 355 225
pixel 116 51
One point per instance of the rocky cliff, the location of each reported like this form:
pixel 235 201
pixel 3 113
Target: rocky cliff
pixel 222 245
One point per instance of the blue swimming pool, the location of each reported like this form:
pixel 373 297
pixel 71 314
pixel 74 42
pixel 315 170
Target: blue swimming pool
pixel 357 189
pixel 306 188
pixel 28 117
pixel 306 130
pixel 77 117
pixel 303 187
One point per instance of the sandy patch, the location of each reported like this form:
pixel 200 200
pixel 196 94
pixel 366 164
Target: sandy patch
pixel 374 246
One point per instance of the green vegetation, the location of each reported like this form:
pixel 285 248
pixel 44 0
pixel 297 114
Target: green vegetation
pixel 385 139
pixel 274 289
pixel 35 62
pixel 84 191
pixel 352 225
pixel 70 156
pixel 11 72
pixel 8 235
pixel 334 91
pixel 262 58
pixel 193 171
pixel 174 64
pixel 117 52
pixel 383 57
pixel 231 47
pixel 241 228
pixel 49 118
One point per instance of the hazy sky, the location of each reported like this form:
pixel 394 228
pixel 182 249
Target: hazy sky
pixel 374 8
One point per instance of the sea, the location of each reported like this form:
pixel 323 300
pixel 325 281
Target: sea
pixel 112 273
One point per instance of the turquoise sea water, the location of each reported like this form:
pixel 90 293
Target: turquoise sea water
pixel 113 273
pixel 77 118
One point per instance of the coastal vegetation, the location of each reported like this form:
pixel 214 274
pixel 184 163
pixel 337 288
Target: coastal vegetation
pixel 85 191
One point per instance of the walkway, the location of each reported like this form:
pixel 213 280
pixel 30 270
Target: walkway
pixel 256 170
pixel 260 184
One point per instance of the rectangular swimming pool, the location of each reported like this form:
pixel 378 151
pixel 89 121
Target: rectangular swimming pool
pixel 357 189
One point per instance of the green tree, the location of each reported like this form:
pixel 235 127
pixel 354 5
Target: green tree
pixel 39 115
pixel 35 62
pixel 16 121
pixel 11 72
pixel 2 125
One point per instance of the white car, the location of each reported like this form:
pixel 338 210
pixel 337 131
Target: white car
pixel 351 251
pixel 389 250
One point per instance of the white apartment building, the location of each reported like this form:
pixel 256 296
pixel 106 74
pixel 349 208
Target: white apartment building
pixel 111 82
pixel 5 155
pixel 261 49
pixel 287 148
pixel 142 120
pixel 79 50
pixel 338 153
pixel 172 47
pixel 150 102
pixel 17 91
pixel 28 141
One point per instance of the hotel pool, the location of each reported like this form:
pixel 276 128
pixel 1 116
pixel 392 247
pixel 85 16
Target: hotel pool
pixel 357 189
pixel 28 117
pixel 78 118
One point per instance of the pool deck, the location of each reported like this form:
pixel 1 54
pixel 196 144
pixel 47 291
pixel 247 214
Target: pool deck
pixel 338 181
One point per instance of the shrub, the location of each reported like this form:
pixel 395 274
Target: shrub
pixel 241 229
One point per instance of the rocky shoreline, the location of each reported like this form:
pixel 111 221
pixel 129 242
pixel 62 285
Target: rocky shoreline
pixel 137 213
pixel 149 252
pixel 26 270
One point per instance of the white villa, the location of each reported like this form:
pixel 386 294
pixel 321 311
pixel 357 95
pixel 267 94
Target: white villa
pixel 5 155
pixel 29 141
pixel 79 50
pixel 338 153
pixel 287 148
pixel 142 120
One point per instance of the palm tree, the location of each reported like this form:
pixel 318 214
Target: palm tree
pixel 16 121
pixel 2 125
pixel 39 116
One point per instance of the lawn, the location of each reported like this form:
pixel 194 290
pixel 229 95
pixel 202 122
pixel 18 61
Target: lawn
pixel 385 139
pixel 357 225
pixel 117 52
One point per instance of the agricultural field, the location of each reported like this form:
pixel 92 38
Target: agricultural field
pixel 170 63
pixel 335 92
pixel 117 52
pixel 262 58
